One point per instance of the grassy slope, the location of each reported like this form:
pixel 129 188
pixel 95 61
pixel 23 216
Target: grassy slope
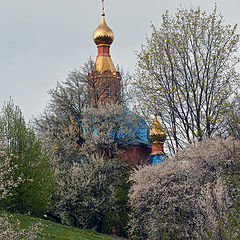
pixel 54 231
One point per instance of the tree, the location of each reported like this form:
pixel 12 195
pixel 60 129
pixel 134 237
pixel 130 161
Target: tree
pixel 11 229
pixel 188 65
pixel 87 190
pixel 91 181
pixel 232 119
pixel 69 98
pixel 7 181
pixel 29 162
pixel 189 195
pixel 68 130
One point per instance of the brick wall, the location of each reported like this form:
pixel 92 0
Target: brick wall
pixel 134 155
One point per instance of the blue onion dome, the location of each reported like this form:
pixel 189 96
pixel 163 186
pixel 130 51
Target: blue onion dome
pixel 138 129
pixel 157 133
pixel 125 128
pixel 155 159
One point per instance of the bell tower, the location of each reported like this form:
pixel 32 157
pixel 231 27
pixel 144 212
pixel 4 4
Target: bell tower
pixel 104 81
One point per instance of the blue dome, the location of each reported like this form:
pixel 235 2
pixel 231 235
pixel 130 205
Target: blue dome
pixel 130 129
pixel 138 133
pixel 153 160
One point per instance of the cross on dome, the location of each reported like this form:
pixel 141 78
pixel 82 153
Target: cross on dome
pixel 103 13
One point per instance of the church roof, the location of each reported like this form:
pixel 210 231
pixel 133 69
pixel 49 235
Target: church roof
pixel 130 129
pixel 155 159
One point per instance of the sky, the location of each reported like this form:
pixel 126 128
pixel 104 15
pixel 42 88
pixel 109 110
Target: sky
pixel 42 40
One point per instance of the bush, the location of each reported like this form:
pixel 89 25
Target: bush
pixel 87 191
pixel 188 196
pixel 11 229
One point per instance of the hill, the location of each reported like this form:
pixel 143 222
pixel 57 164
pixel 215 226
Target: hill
pixel 55 231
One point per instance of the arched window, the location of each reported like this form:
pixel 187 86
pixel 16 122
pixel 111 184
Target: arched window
pixel 97 97
pixel 107 92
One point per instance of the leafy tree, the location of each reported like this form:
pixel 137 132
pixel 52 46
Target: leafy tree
pixel 232 119
pixel 188 65
pixel 29 162
pixel 190 196
pixel 69 98
pixel 11 229
pixel 87 190
pixel 92 183
pixel 67 128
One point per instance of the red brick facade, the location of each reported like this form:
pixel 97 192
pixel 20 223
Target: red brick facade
pixel 134 155
pixel 104 87
pixel 104 82
pixel 157 148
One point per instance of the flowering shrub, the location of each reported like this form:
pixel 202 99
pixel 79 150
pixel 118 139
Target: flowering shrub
pixel 91 183
pixel 189 196
pixel 7 181
pixel 12 231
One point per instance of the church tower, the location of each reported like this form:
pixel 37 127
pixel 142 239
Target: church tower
pixel 105 87
pixel 104 81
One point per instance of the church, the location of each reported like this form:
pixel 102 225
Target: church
pixel 105 87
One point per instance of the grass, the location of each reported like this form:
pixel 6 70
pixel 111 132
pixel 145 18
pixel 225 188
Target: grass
pixel 55 231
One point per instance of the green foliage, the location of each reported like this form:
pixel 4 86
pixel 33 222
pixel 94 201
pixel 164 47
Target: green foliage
pixel 88 193
pixel 34 192
pixel 117 220
pixel 188 66
pixel 232 118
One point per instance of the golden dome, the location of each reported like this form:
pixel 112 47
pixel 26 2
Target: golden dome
pixel 103 34
pixel 156 133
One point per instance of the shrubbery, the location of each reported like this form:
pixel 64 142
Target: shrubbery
pixel 190 196
pixel 87 191
pixel 194 194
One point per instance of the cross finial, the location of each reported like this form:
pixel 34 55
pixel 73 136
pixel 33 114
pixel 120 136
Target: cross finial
pixel 155 105
pixel 103 13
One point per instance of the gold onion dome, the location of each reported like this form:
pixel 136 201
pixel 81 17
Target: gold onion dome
pixel 157 133
pixel 103 34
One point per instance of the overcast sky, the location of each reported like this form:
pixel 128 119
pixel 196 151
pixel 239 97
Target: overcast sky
pixel 42 40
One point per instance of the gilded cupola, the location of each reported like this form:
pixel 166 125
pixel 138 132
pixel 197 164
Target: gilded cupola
pixel 103 37
pixel 157 133
pixel 103 34
pixel 157 137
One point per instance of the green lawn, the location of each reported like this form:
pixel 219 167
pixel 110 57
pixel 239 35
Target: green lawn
pixel 54 231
